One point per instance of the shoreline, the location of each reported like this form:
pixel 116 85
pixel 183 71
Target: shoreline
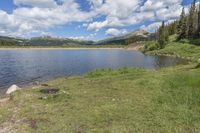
pixel 57 48
pixel 136 48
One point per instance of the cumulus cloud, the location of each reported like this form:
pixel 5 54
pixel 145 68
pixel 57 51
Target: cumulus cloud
pixel 112 22
pixel 155 25
pixel 38 16
pixel 95 3
pixel 36 3
pixel 116 32
pixel 36 19
pixel 151 27
pixel 128 12
pixel 87 37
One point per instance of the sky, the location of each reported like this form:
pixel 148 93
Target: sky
pixel 85 19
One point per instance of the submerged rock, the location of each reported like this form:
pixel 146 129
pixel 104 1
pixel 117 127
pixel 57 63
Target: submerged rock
pixel 12 89
pixel 36 83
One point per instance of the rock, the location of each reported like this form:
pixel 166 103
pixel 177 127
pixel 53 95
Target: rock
pixel 198 65
pixel 12 89
pixel 36 83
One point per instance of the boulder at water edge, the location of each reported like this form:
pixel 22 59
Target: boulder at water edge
pixel 12 89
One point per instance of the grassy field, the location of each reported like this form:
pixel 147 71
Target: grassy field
pixel 121 101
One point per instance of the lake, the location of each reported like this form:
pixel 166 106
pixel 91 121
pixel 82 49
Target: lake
pixel 24 67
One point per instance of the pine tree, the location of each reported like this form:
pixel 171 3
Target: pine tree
pixel 191 20
pixel 171 28
pixel 162 36
pixel 198 30
pixel 182 26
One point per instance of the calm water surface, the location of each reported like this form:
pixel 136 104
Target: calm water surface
pixel 23 67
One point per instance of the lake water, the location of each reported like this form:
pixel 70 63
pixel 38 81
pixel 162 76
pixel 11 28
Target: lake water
pixel 23 67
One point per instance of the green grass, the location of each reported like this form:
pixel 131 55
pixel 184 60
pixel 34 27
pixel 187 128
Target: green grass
pixel 188 49
pixel 111 101
pixel 181 50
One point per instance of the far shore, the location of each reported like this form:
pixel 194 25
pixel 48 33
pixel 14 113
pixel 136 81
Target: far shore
pixel 42 48
pixel 131 47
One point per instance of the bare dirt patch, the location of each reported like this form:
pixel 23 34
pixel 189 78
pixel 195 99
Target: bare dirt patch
pixel 135 47
pixel 5 100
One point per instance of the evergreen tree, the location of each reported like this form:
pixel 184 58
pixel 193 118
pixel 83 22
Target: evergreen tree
pixel 171 28
pixel 191 20
pixel 182 26
pixel 162 36
pixel 198 30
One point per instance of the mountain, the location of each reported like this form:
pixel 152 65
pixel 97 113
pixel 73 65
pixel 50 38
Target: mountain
pixel 52 41
pixel 10 41
pixel 41 41
pixel 139 35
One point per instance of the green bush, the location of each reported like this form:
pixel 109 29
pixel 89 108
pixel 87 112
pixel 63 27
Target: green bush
pixel 150 46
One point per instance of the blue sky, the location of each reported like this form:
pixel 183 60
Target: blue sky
pixel 85 19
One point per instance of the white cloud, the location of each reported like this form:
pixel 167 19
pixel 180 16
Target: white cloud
pixel 116 32
pixel 155 25
pixel 36 3
pixel 159 4
pixel 130 12
pixel 88 37
pixel 117 12
pixel 152 27
pixel 41 15
pixel 95 3
pixel 112 22
pixel 26 20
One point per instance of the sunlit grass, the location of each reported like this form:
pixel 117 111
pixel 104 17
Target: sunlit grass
pixel 125 100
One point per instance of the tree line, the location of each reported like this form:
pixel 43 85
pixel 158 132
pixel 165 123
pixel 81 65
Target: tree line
pixel 7 43
pixel 186 27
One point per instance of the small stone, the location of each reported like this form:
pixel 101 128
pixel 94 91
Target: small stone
pixel 36 83
pixel 199 60
pixel 12 89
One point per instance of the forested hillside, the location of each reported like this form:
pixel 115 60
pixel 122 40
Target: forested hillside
pixel 187 27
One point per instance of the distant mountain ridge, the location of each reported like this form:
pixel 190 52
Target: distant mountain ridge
pixel 139 35
pixel 132 37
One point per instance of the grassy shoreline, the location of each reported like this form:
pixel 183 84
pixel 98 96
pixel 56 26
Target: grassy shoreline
pixel 124 100
pixel 185 49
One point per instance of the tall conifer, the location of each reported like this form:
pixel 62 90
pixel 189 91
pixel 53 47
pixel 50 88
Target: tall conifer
pixel 191 21
pixel 163 37
pixel 182 26
pixel 198 30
